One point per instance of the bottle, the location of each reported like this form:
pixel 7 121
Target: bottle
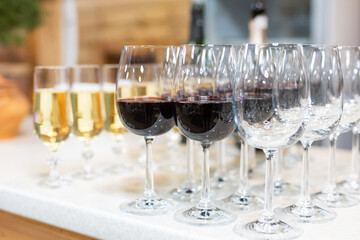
pixel 258 23
pixel 197 35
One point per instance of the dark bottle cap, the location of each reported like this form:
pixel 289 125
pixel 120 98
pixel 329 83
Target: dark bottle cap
pixel 257 8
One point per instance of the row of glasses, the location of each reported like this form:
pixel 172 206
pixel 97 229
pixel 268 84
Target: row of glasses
pixel 70 100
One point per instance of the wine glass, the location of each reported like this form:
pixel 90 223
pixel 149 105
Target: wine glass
pixel 113 125
pixel 326 86
pixel 52 116
pixel 271 104
pixel 202 96
pixel 331 196
pixel 351 71
pixel 85 93
pixel 243 199
pixel 148 111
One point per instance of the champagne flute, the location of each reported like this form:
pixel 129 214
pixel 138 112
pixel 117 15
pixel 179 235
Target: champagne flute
pixel 347 60
pixel 271 103
pixel 85 93
pixel 113 125
pixel 204 113
pixel 326 88
pixel 149 112
pixel 52 116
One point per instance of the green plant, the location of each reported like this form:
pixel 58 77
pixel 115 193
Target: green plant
pixel 16 18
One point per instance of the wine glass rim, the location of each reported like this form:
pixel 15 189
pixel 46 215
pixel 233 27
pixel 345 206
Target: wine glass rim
pixel 82 66
pixel 149 46
pixel 347 46
pixel 206 45
pixel 270 44
pixel 320 45
pixel 50 67
pixel 110 65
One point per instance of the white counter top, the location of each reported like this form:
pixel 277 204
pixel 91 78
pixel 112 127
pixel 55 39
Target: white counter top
pixel 92 208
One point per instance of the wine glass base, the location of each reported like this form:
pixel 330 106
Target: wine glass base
pixel 148 206
pixel 204 216
pixel 88 176
pixel 307 214
pixel 185 194
pixel 350 186
pixel 243 202
pixel 335 200
pixel 219 181
pixel 259 229
pixel 54 182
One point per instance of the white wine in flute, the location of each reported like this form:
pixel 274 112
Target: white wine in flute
pixel 87 112
pixel 52 120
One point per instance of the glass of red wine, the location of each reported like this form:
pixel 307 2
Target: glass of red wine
pixel 146 108
pixel 271 105
pixel 203 112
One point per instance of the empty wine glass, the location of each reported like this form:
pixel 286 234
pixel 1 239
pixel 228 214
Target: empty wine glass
pixel 85 93
pixel 52 116
pixel 351 70
pixel 113 125
pixel 326 86
pixel 243 199
pixel 148 112
pixel 271 104
pixel 331 196
pixel 204 113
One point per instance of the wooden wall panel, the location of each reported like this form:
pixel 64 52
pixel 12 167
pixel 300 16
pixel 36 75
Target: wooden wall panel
pixel 106 26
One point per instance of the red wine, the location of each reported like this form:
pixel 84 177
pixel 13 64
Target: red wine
pixel 205 120
pixel 146 116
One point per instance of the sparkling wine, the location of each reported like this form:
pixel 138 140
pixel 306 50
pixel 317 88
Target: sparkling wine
pixel 87 112
pixel 52 120
pixel 206 120
pixel 147 116
pixel 113 125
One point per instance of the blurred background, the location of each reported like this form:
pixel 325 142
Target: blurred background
pixel 66 32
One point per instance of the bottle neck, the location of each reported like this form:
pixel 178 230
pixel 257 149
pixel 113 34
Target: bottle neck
pixel 197 23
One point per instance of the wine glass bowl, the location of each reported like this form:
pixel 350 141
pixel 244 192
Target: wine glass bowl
pixel 147 110
pixel 271 104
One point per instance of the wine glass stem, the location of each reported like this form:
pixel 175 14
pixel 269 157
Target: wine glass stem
pixel 268 213
pixel 354 174
pixel 221 169
pixel 53 162
pixel 243 174
pixel 205 200
pixel 331 173
pixel 277 163
pixel 118 148
pixel 87 155
pixel 190 161
pixel 305 193
pixel 149 178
